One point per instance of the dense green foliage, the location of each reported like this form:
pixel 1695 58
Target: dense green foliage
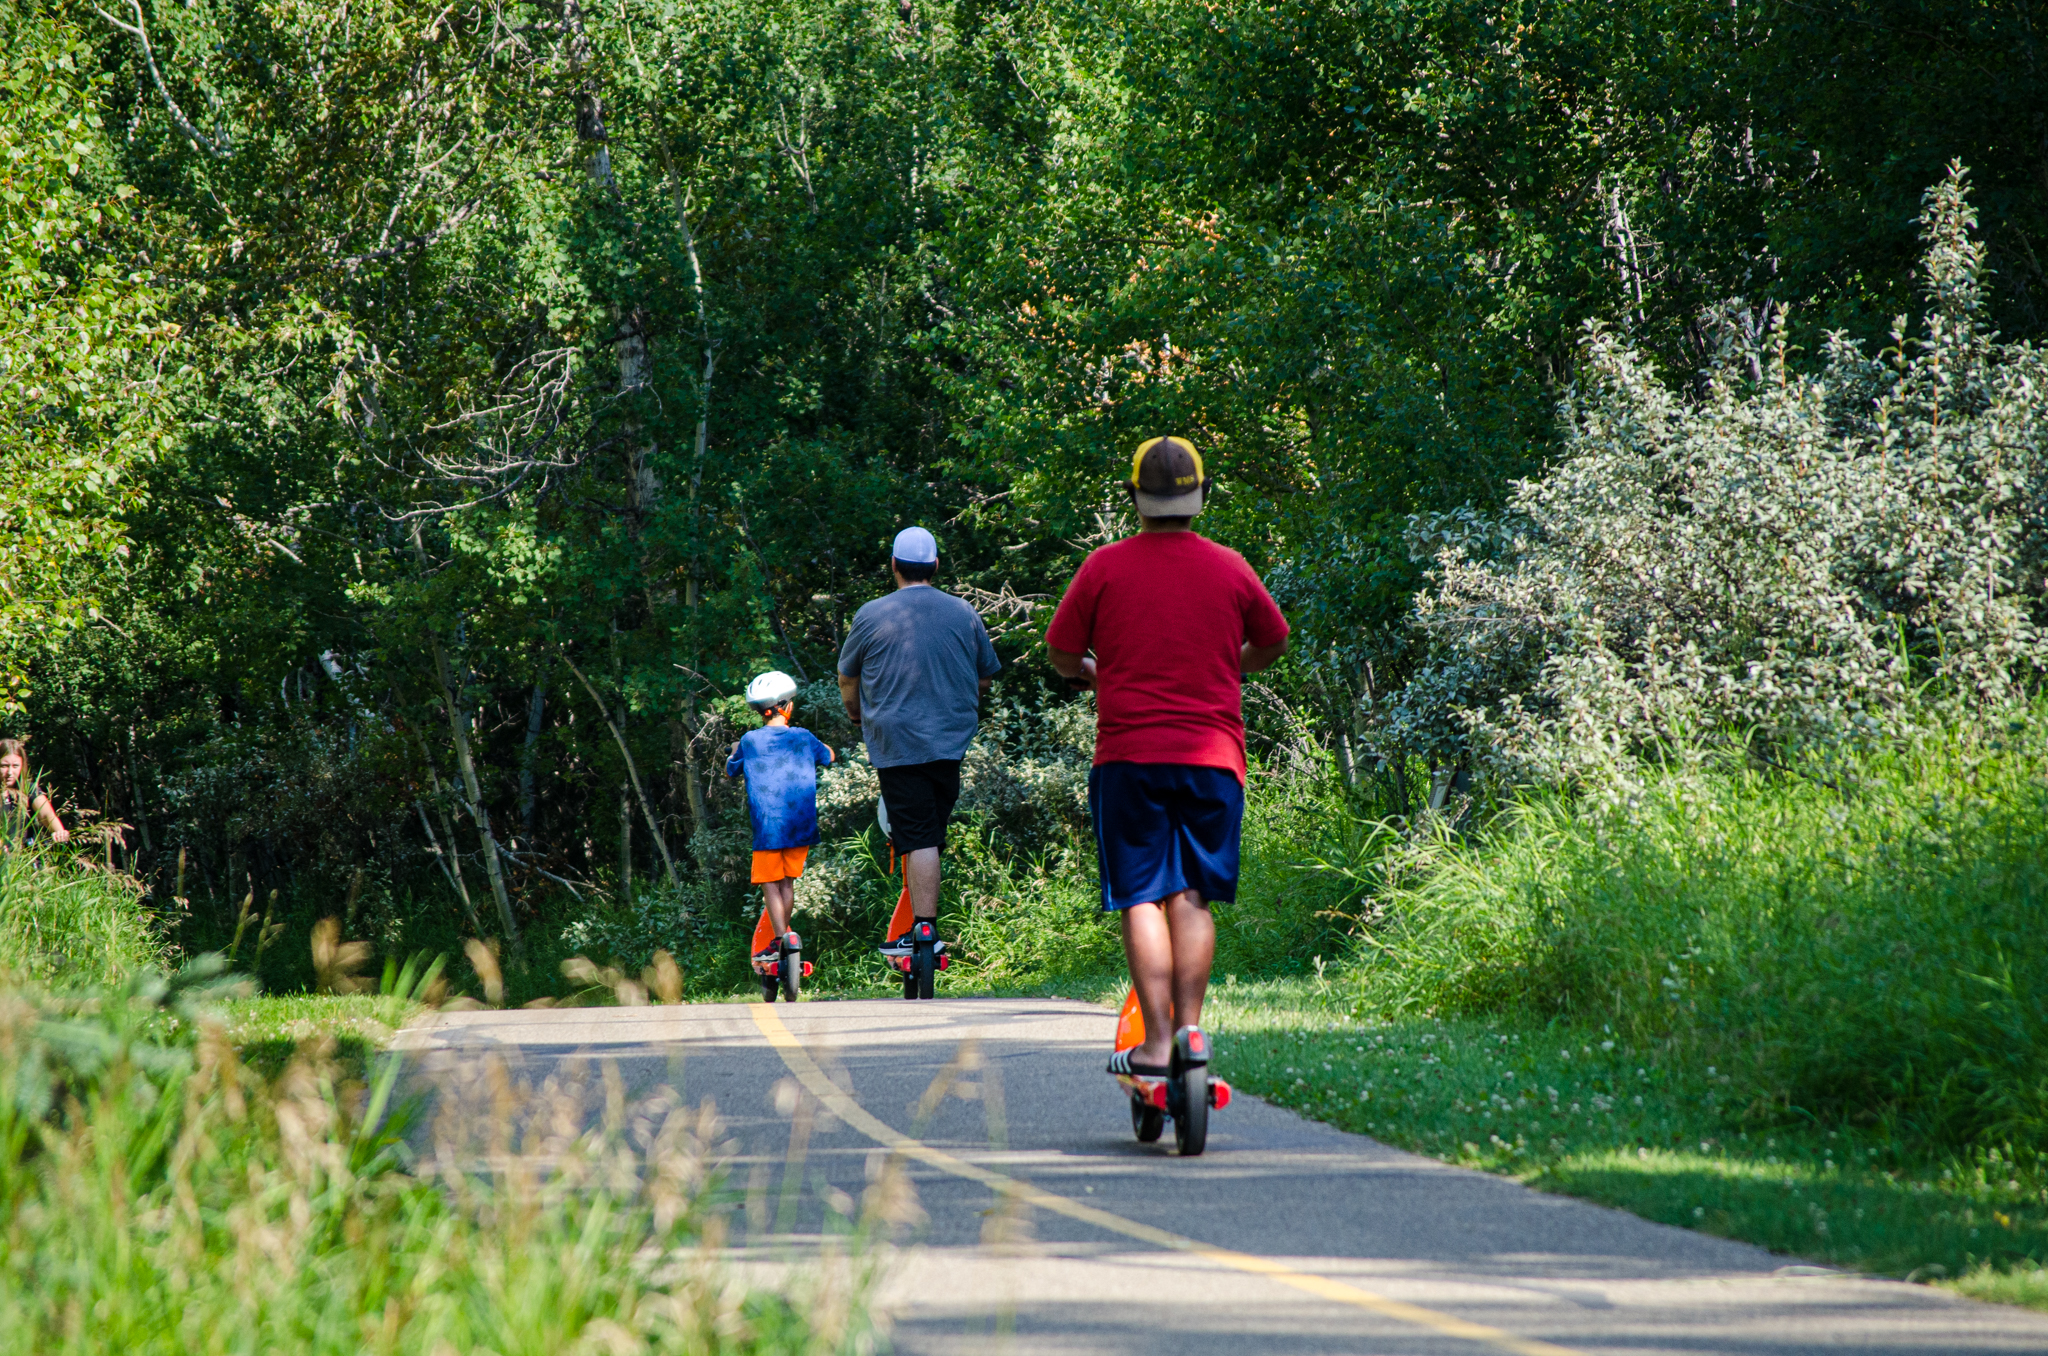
pixel 483 393
pixel 1791 562
pixel 80 345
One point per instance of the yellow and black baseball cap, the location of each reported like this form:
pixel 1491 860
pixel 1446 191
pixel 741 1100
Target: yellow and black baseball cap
pixel 1167 478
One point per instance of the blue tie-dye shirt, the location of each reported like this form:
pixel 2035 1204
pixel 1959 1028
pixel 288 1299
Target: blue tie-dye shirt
pixel 781 764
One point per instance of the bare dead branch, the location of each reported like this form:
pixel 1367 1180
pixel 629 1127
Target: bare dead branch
pixel 140 30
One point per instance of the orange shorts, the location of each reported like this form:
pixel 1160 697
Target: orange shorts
pixel 779 864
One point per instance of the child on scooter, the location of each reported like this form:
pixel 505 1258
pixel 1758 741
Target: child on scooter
pixel 781 765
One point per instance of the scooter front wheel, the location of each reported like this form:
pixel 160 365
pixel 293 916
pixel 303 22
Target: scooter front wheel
pixel 1191 1117
pixel 792 968
pixel 768 987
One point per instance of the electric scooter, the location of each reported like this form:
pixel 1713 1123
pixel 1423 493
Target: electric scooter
pixel 927 953
pixel 788 970
pixel 1185 1096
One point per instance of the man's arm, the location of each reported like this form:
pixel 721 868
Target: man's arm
pixel 849 695
pixel 1078 667
pixel 1252 657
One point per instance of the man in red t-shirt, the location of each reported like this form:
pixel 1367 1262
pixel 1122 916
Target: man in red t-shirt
pixel 1174 621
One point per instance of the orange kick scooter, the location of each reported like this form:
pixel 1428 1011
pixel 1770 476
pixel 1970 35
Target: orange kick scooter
pixel 788 970
pixel 927 955
pixel 1185 1095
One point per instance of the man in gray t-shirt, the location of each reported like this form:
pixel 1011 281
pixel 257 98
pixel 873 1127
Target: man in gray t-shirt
pixel 911 673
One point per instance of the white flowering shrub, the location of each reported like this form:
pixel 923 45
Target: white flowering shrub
pixel 1781 557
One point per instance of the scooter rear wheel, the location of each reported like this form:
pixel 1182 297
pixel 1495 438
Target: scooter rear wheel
pixel 924 964
pixel 1147 1121
pixel 1191 1117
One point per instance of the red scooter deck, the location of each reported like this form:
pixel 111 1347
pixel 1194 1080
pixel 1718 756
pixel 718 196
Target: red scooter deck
pixel 900 922
pixel 1130 1033
pixel 764 937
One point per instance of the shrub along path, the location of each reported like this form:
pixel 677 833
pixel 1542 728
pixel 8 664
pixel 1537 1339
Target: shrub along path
pixel 1038 1219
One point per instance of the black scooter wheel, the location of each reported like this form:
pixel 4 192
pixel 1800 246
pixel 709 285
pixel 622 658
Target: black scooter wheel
pixel 924 965
pixel 768 987
pixel 1147 1121
pixel 909 985
pixel 1191 1117
pixel 792 968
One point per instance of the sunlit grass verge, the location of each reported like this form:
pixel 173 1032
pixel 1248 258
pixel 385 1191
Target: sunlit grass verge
pixel 159 1196
pixel 1577 1110
pixel 64 922
pixel 268 1031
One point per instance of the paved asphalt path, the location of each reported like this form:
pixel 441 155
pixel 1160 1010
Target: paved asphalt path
pixel 1047 1228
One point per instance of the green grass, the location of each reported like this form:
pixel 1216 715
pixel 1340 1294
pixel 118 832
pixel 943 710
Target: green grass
pixel 64 922
pixel 1634 1127
pixel 158 1195
pixel 1858 948
pixel 270 1030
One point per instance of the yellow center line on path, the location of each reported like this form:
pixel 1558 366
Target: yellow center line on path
pixel 854 1114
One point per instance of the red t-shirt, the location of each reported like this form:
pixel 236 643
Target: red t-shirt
pixel 1166 614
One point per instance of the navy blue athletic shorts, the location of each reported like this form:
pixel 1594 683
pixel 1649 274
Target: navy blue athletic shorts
pixel 1165 827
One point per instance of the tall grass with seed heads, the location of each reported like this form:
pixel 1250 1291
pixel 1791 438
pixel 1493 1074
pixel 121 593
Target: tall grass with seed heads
pixel 64 921
pixel 1861 944
pixel 157 1196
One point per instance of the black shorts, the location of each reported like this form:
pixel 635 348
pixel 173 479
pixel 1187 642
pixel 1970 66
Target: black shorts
pixel 920 798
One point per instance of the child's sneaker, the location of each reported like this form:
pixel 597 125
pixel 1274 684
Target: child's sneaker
pixel 906 944
pixel 772 952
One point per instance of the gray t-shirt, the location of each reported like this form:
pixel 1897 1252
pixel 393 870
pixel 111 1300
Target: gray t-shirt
pixel 920 656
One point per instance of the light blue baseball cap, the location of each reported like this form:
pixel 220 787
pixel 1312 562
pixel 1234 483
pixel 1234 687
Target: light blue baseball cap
pixel 915 546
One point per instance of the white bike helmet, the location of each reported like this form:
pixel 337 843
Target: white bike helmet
pixel 770 690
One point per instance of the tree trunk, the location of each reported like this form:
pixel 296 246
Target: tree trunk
pixel 135 794
pixel 442 859
pixel 632 771
pixel 454 848
pixel 467 766
pixel 625 842
pixel 535 708
pixel 682 760
pixel 692 773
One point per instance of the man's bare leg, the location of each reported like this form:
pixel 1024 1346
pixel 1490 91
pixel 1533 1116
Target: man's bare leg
pixel 921 869
pixel 1170 945
pixel 779 895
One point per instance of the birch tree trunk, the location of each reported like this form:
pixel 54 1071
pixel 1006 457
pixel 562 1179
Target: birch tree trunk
pixel 466 765
pixel 632 771
pixel 535 708
pixel 692 775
